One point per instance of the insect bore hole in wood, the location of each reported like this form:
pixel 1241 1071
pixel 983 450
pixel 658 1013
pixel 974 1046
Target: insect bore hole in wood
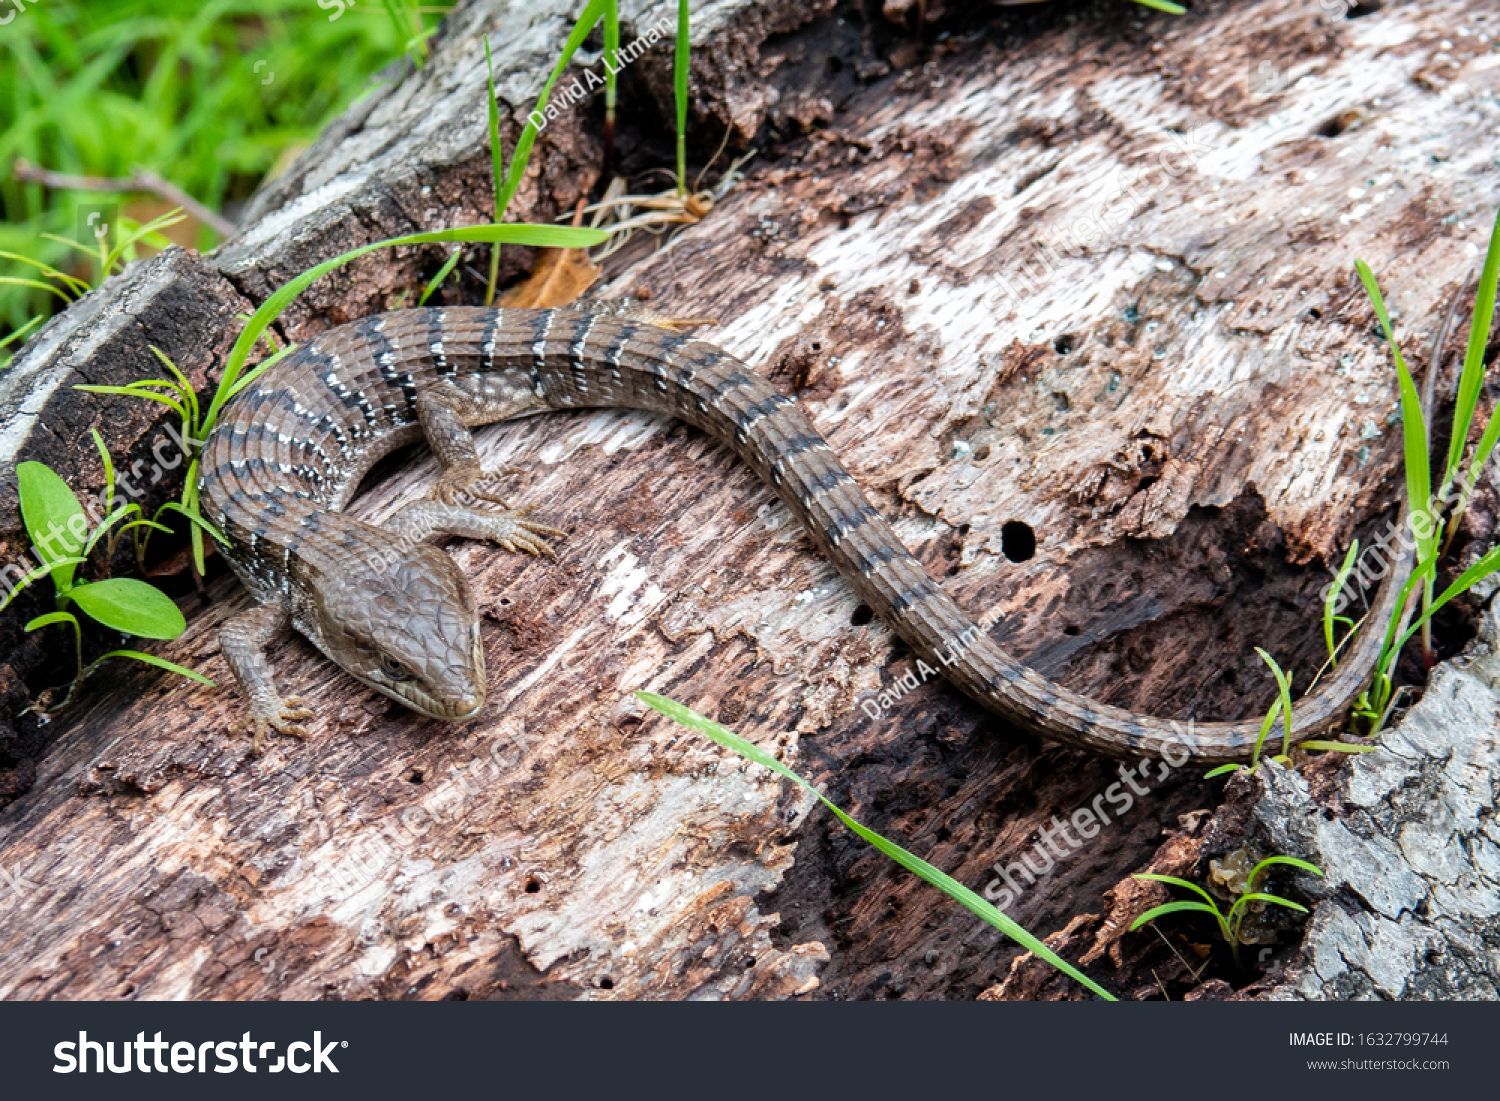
pixel 1017 541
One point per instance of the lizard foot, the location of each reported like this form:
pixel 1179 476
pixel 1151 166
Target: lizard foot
pixel 454 487
pixel 283 716
pixel 511 531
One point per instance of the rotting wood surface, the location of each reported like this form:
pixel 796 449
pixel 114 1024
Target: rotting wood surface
pixel 1183 403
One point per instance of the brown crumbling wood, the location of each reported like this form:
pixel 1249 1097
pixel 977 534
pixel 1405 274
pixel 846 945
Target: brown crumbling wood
pixel 1188 409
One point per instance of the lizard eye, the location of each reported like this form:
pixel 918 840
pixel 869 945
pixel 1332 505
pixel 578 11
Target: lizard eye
pixel 394 669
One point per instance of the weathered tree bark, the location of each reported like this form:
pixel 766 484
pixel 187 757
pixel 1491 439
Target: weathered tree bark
pixel 1062 276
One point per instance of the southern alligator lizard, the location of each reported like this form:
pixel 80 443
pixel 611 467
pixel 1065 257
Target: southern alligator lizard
pixel 290 451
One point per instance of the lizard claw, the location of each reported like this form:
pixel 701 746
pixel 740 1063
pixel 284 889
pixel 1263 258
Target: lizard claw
pixel 454 487
pixel 524 535
pixel 283 716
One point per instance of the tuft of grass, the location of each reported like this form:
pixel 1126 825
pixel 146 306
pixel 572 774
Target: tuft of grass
pixel 914 864
pixel 1230 923
pixel 1432 515
pixel 1282 709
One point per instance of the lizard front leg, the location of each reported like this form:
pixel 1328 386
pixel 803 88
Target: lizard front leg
pixel 445 414
pixel 244 638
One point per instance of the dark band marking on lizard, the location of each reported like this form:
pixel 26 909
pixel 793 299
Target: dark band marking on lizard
pixel 406 623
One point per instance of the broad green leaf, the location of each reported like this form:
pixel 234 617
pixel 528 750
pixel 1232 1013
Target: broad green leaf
pixel 54 519
pixel 131 606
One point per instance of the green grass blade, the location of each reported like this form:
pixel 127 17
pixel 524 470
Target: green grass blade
pixel 1173 908
pixel 497 154
pixel 1287 861
pixel 1163 5
pixel 1390 650
pixel 78 286
pixel 144 523
pixel 1173 881
pixel 134 390
pixel 171 218
pixel 1340 579
pixel 1464 582
pixel 160 663
pixel 1222 769
pixel 522 154
pixel 914 864
pixel 1260 896
pixel 611 65
pixel 1284 686
pixel 1414 432
pixel 49 619
pixel 183 386
pixel 681 64
pixel 260 368
pixel 443 273
pixel 35 575
pixel 35 284
pixel 20 333
pixel 104 525
pixel 197 518
pixel 497 168
pixel 1471 380
pixel 1337 747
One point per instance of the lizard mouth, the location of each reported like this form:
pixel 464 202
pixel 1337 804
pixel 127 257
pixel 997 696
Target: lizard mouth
pixel 466 709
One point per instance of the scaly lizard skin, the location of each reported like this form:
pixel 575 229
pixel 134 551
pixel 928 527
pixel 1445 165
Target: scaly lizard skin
pixel 289 453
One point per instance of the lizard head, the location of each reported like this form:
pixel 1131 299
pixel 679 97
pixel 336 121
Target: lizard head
pixel 409 629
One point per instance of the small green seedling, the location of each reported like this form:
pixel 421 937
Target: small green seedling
pixel 63 539
pixel 1281 708
pixel 1230 923
pixel 914 864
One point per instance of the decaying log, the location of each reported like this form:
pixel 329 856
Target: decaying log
pixel 1059 277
